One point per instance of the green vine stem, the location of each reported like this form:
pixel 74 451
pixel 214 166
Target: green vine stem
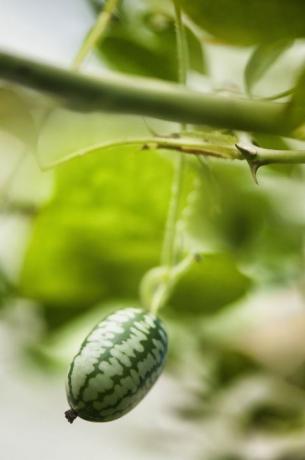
pixel 147 97
pixel 168 255
pixel 157 284
pixel 97 32
pixel 187 145
pixel 168 251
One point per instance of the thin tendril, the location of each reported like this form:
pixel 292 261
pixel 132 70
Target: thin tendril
pixel 169 251
pixel 96 34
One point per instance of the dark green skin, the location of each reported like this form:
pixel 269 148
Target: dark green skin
pixel 118 363
pixel 246 22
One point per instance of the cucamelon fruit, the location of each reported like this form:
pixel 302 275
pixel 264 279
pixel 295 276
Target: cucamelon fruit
pixel 117 364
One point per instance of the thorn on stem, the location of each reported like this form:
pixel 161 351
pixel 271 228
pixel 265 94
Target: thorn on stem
pixel 250 154
pixel 254 168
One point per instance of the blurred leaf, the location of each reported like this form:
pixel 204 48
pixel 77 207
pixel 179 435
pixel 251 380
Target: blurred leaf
pixel 243 22
pixel 296 106
pixel 6 288
pixel 15 115
pixel 263 57
pixel 209 284
pixel 271 142
pixel 97 5
pixel 229 456
pixel 228 214
pixel 56 350
pixel 273 417
pixel 231 215
pixel 144 43
pixel 83 133
pixel 231 365
pixel 298 376
pixel 102 230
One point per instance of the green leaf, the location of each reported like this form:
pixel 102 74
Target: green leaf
pixel 231 215
pixel 102 230
pixel 231 365
pixel 97 5
pixel 277 416
pixel 209 284
pixel 263 57
pixel 144 43
pixel 248 22
pixel 82 134
pixel 6 288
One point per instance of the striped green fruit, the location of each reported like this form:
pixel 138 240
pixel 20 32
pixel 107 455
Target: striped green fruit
pixel 117 364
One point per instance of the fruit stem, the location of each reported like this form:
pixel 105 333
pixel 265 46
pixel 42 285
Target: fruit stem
pixel 169 250
pixel 71 415
pixel 168 253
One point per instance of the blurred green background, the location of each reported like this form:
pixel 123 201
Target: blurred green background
pixel 76 240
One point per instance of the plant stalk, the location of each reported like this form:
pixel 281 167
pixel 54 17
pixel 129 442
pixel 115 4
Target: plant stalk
pixel 147 97
pixel 168 252
pixel 193 147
